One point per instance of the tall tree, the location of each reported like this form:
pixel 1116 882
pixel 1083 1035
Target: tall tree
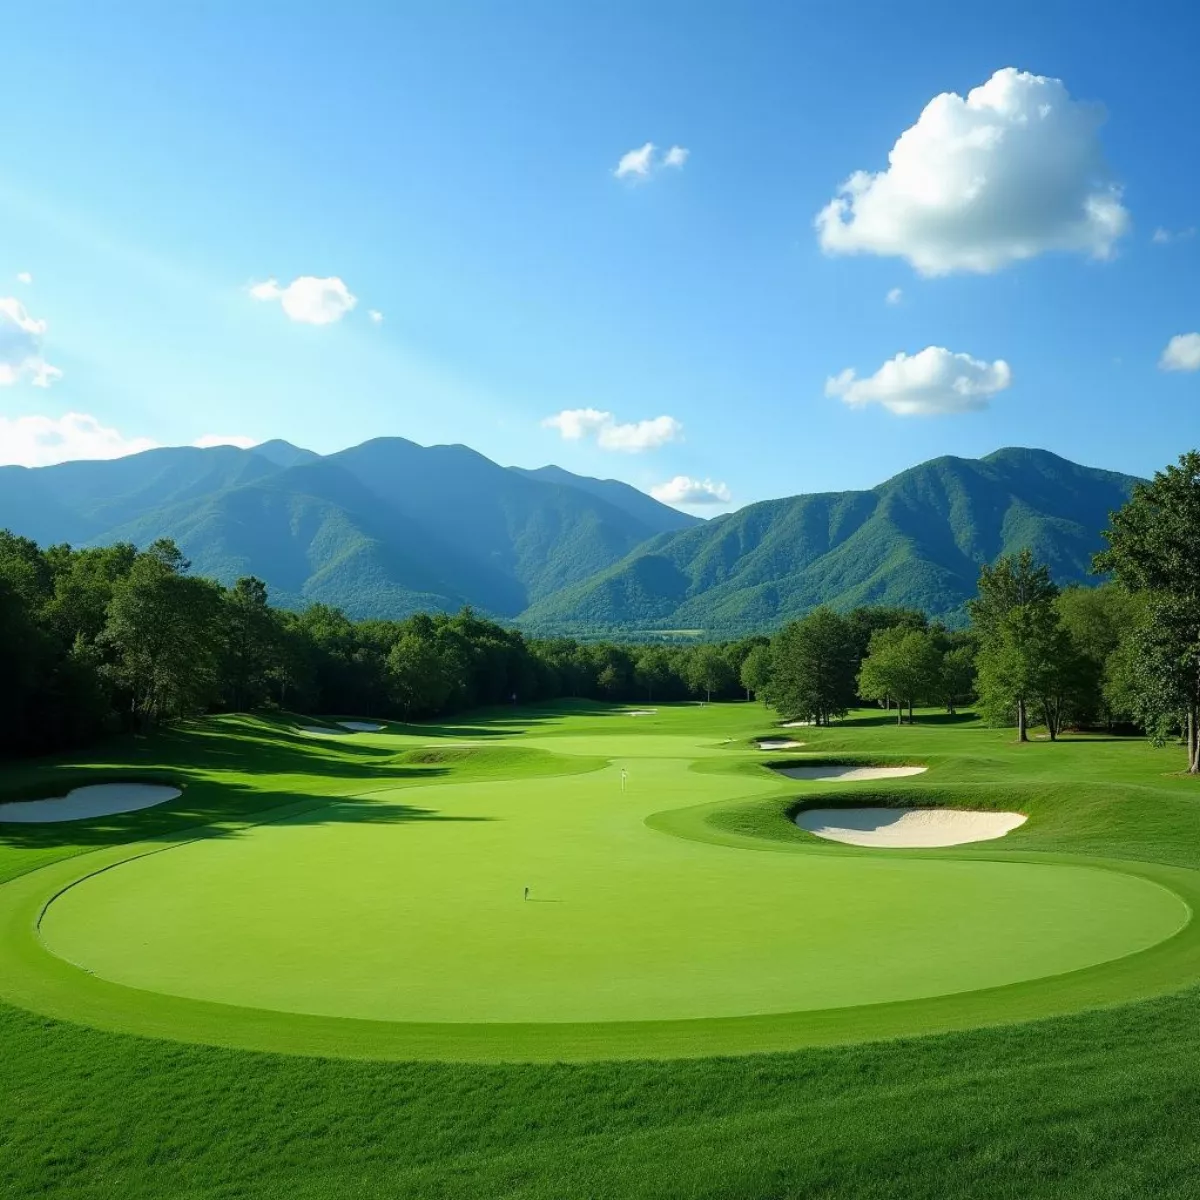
pixel 1065 683
pixel 867 620
pixel 1015 617
pixel 417 679
pixel 755 674
pixel 1152 550
pixel 652 670
pixel 250 641
pixel 708 671
pixel 1098 620
pixel 812 672
pixel 956 677
pixel 903 664
pixel 163 628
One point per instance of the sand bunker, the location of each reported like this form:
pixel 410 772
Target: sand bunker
pixel 642 712
pixel 907 827
pixel 832 773
pixel 795 724
pixel 778 744
pixel 95 800
pixel 362 726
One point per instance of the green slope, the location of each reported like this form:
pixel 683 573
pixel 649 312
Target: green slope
pixel 389 527
pixel 917 540
pixel 657 517
pixel 383 529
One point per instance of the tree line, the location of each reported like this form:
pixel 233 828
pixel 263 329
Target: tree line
pixel 1126 652
pixel 98 640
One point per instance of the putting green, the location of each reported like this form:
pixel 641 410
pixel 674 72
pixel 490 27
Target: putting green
pixel 424 920
pixel 394 924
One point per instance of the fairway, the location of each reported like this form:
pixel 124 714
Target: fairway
pixel 422 918
pixel 391 919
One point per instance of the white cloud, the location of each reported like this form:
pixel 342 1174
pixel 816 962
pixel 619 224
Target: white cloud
pixel 641 163
pixel 931 383
pixel 1182 353
pixel 21 347
pixel 1012 171
pixel 222 439
pixel 37 441
pixel 683 490
pixel 636 162
pixel 376 316
pixel 576 424
pixel 24 277
pixel 1164 237
pixel 894 296
pixel 309 300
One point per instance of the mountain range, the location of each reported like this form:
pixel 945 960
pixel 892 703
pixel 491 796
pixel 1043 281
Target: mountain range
pixel 388 528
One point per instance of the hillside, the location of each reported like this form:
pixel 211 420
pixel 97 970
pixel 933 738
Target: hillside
pixel 657 517
pixel 382 529
pixel 388 528
pixel 917 539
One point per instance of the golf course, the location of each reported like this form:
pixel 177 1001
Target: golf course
pixel 576 883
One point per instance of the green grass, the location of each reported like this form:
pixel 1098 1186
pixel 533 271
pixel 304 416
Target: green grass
pixel 1098 1103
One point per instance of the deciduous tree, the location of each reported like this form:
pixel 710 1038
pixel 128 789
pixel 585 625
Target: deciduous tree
pixel 1015 617
pixel 903 664
pixel 1152 548
pixel 812 670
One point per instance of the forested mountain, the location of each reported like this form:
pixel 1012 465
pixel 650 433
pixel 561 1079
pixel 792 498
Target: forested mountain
pixel 658 517
pixel 389 528
pixel 383 529
pixel 917 540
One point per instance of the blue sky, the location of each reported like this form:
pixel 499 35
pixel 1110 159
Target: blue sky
pixel 454 168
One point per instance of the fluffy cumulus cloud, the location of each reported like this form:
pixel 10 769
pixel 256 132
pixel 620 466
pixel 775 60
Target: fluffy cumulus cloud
pixel 579 424
pixel 37 441
pixel 643 162
pixel 309 300
pixel 376 316
pixel 894 296
pixel 24 277
pixel 1182 353
pixel 931 383
pixel 241 440
pixel 685 492
pixel 1012 171
pixel 21 339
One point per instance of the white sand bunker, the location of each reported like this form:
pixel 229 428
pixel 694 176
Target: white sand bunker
pixel 362 726
pixel 832 773
pixel 795 724
pixel 907 827
pixel 95 800
pixel 778 744
pixel 642 712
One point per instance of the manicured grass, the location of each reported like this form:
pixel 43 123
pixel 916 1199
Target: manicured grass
pixel 1101 1103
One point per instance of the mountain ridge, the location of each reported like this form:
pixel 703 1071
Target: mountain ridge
pixel 917 539
pixel 385 528
pixel 389 527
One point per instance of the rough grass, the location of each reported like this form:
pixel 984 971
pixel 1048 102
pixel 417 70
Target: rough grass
pixel 1103 1104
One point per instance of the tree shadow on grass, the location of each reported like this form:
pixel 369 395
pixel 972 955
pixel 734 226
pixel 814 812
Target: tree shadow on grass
pixel 1084 736
pixel 218 809
pixel 883 718
pixel 368 812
